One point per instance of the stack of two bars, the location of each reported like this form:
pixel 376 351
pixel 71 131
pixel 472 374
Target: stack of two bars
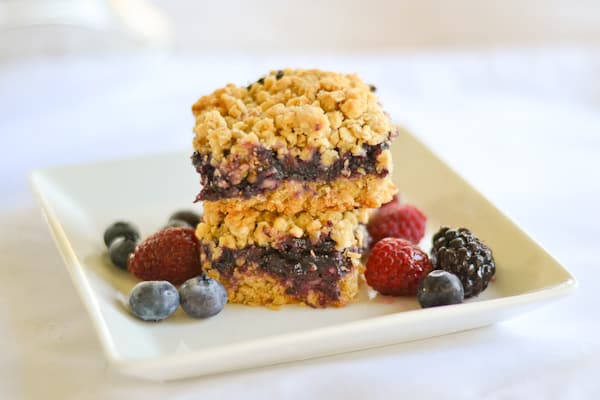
pixel 290 167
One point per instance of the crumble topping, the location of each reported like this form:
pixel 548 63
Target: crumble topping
pixel 264 228
pixel 291 111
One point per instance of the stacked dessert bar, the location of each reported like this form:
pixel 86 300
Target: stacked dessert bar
pixel 290 167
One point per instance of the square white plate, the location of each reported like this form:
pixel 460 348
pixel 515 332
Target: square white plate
pixel 80 201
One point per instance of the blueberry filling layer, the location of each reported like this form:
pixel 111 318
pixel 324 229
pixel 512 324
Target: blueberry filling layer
pixel 268 171
pixel 297 263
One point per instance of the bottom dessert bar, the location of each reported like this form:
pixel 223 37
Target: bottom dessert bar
pixel 263 258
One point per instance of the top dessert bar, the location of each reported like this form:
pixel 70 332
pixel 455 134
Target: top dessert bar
pixel 291 136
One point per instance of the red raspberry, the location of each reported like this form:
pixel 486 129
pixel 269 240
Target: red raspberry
pixel 170 255
pixel 396 267
pixel 400 221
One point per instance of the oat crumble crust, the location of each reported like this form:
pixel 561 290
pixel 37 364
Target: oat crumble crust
pixel 295 196
pixel 256 288
pixel 237 230
pixel 297 112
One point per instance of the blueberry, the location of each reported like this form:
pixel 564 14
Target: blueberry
pixel 440 288
pixel 177 223
pixel 202 297
pixel 120 229
pixel 120 249
pixel 191 217
pixel 153 300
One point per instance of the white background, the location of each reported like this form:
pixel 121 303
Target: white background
pixel 521 123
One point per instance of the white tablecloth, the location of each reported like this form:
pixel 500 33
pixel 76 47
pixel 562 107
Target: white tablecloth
pixel 523 126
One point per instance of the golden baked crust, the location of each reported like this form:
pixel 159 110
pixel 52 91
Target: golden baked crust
pixel 292 197
pixel 291 111
pixel 237 230
pixel 251 286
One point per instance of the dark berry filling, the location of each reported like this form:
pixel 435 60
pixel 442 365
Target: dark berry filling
pixel 299 264
pixel 268 171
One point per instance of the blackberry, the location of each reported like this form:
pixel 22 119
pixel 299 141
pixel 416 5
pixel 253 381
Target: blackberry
pixel 460 252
